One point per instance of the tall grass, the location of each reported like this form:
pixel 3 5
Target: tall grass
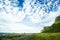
pixel 37 36
pixel 45 36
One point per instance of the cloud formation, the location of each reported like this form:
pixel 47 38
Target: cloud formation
pixel 26 15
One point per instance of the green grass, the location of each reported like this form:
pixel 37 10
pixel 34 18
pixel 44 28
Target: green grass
pixel 45 36
pixel 36 36
pixel 12 36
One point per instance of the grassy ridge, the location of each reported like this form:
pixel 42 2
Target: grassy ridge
pixel 54 28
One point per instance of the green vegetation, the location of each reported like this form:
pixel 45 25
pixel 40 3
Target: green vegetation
pixel 54 28
pixel 8 36
pixel 45 36
pixel 49 32
pixel 36 36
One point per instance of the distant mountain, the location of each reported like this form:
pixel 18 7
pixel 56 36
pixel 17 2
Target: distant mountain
pixel 54 28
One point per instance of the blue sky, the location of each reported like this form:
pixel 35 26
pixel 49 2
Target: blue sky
pixel 28 16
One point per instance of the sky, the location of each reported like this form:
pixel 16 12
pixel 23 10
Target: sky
pixel 27 16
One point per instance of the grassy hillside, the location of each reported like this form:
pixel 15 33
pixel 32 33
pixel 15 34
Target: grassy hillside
pixel 53 28
pixel 57 20
pixel 49 33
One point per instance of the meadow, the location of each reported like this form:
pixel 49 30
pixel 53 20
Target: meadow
pixel 45 36
pixel 35 36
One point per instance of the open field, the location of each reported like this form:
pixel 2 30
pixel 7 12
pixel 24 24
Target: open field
pixel 45 36
pixel 35 36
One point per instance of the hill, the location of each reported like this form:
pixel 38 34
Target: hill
pixel 53 28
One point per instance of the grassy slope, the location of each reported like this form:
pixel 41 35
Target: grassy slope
pixel 57 20
pixel 49 36
pixel 53 28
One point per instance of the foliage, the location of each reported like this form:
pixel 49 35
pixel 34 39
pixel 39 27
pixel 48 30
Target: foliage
pixel 54 28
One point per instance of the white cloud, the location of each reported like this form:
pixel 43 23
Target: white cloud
pixel 34 12
pixel 17 28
